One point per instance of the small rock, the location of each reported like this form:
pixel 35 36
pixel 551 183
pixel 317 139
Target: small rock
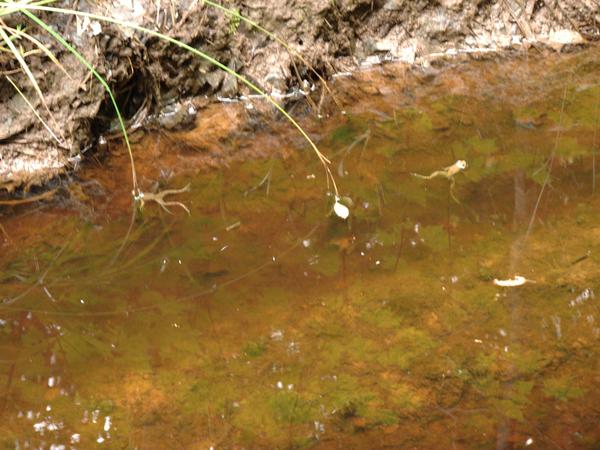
pixel 408 53
pixel 394 5
pixel 385 45
pixel 557 39
pixel 229 88
pixel 455 5
pixel 565 37
pixel 215 78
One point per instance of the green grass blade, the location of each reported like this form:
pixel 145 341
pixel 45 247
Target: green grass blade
pixel 16 33
pixel 25 9
pixel 33 109
pixel 102 81
pixel 17 54
pixel 7 8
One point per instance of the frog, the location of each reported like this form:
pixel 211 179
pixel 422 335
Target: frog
pixel 159 197
pixel 448 173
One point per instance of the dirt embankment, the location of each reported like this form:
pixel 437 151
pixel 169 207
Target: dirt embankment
pixel 153 80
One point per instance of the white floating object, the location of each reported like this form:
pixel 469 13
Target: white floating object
pixel 512 282
pixel 565 37
pixel 341 210
pixel 107 423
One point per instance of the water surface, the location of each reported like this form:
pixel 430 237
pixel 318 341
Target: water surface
pixel 263 321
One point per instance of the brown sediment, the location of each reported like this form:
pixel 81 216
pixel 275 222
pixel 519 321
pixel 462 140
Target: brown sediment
pixel 150 76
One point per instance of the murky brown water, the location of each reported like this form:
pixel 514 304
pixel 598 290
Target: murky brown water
pixel 261 321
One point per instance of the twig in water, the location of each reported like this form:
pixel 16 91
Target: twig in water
pixel 41 280
pixel 266 179
pixel 35 198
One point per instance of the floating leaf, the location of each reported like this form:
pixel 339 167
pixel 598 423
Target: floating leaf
pixel 342 211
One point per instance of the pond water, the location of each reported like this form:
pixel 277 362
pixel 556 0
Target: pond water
pixel 263 321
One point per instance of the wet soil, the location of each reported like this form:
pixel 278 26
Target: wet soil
pixel 159 85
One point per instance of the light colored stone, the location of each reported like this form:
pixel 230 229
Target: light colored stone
pixel 565 37
pixel 454 5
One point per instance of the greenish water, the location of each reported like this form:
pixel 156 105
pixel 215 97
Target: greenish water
pixel 262 321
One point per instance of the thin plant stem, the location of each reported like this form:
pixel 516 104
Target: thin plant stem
pixel 25 9
pixel 102 81
pixel 594 136
pixel 550 161
pixel 26 100
pixel 17 54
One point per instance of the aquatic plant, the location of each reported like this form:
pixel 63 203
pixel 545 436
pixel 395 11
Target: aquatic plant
pixel 27 8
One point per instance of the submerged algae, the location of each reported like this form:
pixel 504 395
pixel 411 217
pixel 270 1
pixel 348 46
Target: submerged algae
pixel 297 329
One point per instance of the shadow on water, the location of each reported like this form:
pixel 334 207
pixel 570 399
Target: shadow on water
pixel 262 321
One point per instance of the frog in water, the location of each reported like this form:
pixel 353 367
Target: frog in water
pixel 159 197
pixel 448 173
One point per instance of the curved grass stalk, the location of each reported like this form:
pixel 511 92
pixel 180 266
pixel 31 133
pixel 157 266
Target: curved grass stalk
pixel 33 109
pixel 102 81
pixel 16 33
pixel 20 56
pixel 7 8
pixel 297 54
pixel 24 66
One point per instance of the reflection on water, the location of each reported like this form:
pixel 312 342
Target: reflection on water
pixel 263 321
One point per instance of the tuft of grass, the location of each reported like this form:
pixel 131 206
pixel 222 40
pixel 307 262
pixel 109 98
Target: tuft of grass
pixel 27 8
pixel 235 15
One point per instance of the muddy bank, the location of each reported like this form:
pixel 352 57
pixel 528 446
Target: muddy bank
pixel 159 85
